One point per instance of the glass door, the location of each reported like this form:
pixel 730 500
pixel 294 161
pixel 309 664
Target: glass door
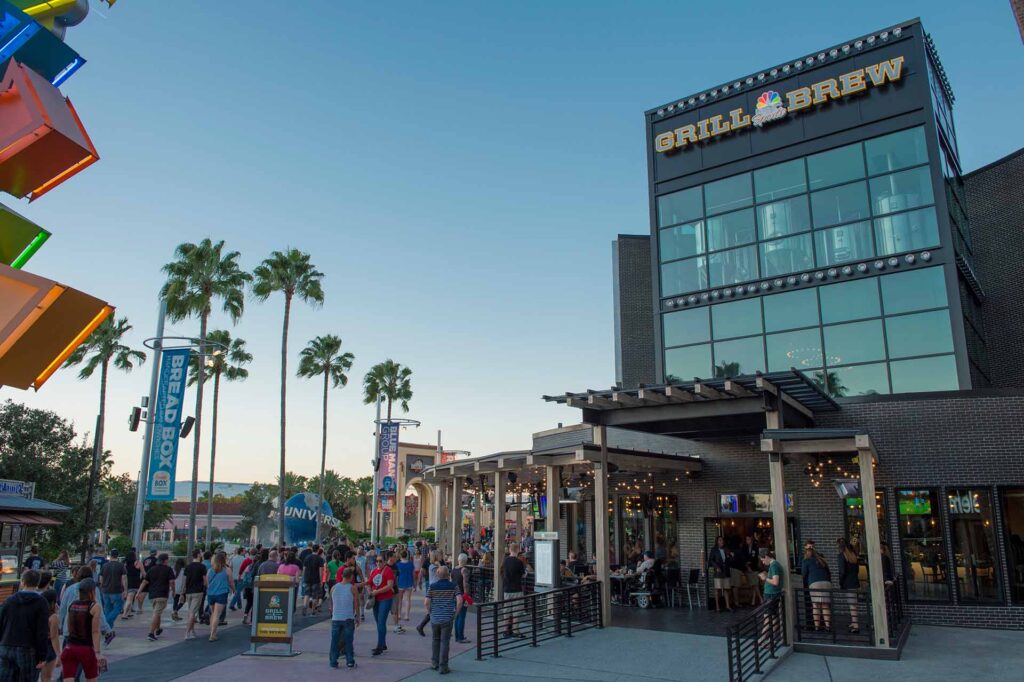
pixel 634 532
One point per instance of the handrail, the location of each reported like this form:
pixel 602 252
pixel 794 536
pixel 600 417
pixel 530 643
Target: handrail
pixel 509 624
pixel 755 638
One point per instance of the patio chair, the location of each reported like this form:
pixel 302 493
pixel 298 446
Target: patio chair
pixel 692 587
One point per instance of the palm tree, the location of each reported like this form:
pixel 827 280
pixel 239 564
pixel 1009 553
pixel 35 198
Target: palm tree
pixel 390 381
pixel 323 356
pixel 292 274
pixel 226 361
pixel 200 273
pixel 101 348
pixel 364 488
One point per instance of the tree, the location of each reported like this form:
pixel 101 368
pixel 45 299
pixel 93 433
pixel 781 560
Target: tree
pixel 199 274
pixel 257 509
pixel 727 370
pixel 103 347
pixel 323 356
pixel 120 491
pixel 364 486
pixel 390 381
pixel 226 361
pixel 338 491
pixel 40 446
pixel 292 274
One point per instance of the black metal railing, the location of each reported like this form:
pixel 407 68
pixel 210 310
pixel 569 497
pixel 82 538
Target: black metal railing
pixel 755 639
pixel 509 624
pixel 894 612
pixel 480 581
pixel 834 617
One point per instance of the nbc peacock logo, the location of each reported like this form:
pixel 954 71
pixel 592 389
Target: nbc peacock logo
pixel 769 108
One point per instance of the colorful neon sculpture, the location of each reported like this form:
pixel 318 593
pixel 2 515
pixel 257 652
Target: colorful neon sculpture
pixel 27 41
pixel 42 141
pixel 20 238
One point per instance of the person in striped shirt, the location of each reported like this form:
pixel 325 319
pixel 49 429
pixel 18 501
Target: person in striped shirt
pixel 443 600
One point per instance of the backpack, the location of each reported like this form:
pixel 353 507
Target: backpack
pixel 247 578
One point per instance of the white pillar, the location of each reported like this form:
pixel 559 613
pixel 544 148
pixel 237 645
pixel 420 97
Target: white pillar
pixel 499 532
pixel 455 516
pixel 876 580
pixel 435 489
pixel 552 481
pixel 601 529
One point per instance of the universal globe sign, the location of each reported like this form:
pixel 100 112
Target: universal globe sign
pixel 300 513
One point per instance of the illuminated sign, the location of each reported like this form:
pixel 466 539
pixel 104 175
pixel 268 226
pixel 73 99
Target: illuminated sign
pixel 770 105
pixel 163 455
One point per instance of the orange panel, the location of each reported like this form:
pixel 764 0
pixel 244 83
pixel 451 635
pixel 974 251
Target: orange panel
pixel 42 140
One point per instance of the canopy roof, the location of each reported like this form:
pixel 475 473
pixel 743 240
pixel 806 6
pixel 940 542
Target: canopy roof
pixel 19 504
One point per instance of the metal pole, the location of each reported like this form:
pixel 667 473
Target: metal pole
pixel 376 465
pixel 147 441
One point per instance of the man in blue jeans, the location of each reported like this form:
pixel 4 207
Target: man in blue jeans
pixel 443 600
pixel 345 611
pixel 113 588
pixel 382 589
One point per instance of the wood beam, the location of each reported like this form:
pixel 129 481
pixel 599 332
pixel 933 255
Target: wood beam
pixel 551 460
pixel 735 389
pixel 652 396
pixel 627 462
pixel 599 402
pixel 768 387
pixel 678 394
pixel 816 446
pixel 872 537
pixel 705 391
pixel 781 529
pixel 626 400
pixel 499 534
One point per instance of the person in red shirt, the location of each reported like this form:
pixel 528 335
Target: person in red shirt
pixel 382 589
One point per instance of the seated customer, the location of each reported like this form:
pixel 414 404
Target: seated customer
pixel 647 564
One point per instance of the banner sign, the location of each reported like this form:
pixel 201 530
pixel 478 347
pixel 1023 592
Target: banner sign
pixel 272 621
pixel 388 467
pixel 163 454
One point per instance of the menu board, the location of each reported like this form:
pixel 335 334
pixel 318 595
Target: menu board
pixel 273 608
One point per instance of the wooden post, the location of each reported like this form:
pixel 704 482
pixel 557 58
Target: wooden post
pixel 552 479
pixel 499 533
pixel 601 523
pixel 778 500
pixel 519 517
pixel 455 508
pixel 865 456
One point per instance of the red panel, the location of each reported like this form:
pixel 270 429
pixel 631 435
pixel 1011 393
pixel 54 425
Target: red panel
pixel 42 141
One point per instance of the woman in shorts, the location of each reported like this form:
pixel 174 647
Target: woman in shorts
pixel 82 644
pixel 217 590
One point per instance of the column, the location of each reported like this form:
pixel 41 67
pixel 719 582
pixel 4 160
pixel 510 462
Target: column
pixel 601 529
pixel 478 517
pixel 876 581
pixel 435 521
pixel 519 516
pixel 499 533
pixel 778 500
pixel 455 514
pixel 552 481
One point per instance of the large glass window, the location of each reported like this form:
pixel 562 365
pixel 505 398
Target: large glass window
pixel 919 334
pixel 733 267
pixel 905 292
pixel 682 241
pixel 683 276
pixel 779 218
pixel 731 229
pixel 898 150
pixel 974 544
pixel 791 310
pixel 852 300
pixel 840 204
pixel 680 207
pixel 780 180
pixel 783 256
pixel 844 244
pixel 854 507
pixel 900 191
pixel 835 166
pixel 921 545
pixel 632 517
pixel 686 326
pixel 738 318
pixel 683 364
pixel 666 534
pixel 727 194
pixel 1013 520
pixel 854 342
pixel 847 382
pixel 800 349
pixel 936 373
pixel 906 232
pixel 739 357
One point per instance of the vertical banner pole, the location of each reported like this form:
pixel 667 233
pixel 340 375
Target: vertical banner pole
pixel 147 440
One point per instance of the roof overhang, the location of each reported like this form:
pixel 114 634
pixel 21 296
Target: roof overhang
pixel 27 519
pixel 803 443
pixel 41 323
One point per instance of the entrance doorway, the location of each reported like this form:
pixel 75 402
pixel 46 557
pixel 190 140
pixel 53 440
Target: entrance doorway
pixel 735 530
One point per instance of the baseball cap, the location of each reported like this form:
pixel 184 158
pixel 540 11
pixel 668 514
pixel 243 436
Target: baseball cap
pixel 113 552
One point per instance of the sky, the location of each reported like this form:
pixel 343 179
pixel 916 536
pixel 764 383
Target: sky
pixel 457 170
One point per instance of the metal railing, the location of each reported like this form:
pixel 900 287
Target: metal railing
pixel 834 617
pixel 503 626
pixel 894 612
pixel 480 583
pixel 755 639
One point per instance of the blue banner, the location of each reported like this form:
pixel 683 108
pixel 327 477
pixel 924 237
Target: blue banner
pixel 163 454
pixel 388 466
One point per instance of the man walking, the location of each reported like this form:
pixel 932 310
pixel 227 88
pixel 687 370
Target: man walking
pixel 236 573
pixel 312 580
pixel 23 631
pixel 513 570
pixel 345 611
pixel 196 581
pixel 160 581
pixel 113 588
pixel 270 566
pixel 443 600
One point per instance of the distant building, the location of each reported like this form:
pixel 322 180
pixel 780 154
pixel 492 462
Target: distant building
pixel 226 515
pixel 183 489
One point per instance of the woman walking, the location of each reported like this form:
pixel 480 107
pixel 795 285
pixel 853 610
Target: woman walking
pixel 818 579
pixel 220 586
pixel 134 577
pixel 61 572
pixel 291 567
pixel 52 637
pixel 849 579
pixel 403 608
pixel 82 643
pixel 179 589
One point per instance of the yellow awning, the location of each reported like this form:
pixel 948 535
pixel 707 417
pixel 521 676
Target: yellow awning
pixel 41 324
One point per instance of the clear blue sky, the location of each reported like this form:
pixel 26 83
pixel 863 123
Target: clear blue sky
pixel 458 170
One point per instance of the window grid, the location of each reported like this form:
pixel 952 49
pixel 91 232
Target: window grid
pixel 758 242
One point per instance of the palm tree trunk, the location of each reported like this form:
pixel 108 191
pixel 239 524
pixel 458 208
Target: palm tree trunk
pixel 284 384
pixel 200 375
pixel 97 455
pixel 213 458
pixel 323 463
